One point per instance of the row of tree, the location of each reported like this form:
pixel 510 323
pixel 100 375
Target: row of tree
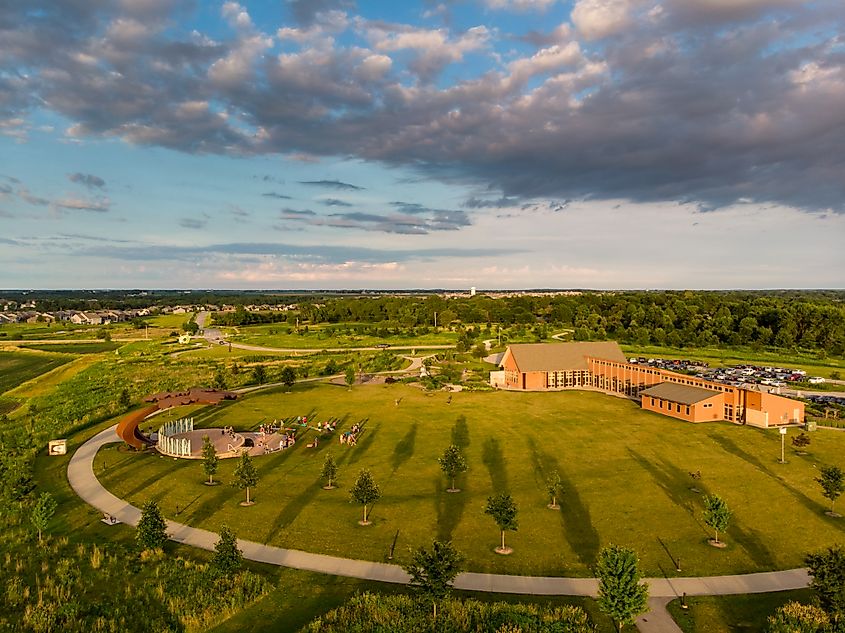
pixel 781 319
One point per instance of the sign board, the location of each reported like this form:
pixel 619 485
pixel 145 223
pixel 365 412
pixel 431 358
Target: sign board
pixel 57 447
pixel 783 430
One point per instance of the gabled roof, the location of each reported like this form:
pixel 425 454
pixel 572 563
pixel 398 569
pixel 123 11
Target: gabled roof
pixel 681 394
pixel 563 356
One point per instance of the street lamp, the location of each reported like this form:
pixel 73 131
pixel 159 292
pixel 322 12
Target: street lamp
pixel 782 442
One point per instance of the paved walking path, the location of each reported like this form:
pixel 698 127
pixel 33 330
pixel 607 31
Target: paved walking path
pixel 83 480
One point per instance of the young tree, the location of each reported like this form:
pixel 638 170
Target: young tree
pixel 717 515
pixel 259 375
pixel 553 488
pixel 288 376
pixel 800 442
pixel 621 595
pixel 124 401
pixel 794 617
pixel 42 512
pixel 503 510
pixel 453 463
pixel 227 558
pixel 329 471
pixel 433 571
pixel 350 376
pixel 365 491
pixel 828 572
pixel 152 530
pixel 219 379
pixel 832 481
pixel 246 476
pixel 209 459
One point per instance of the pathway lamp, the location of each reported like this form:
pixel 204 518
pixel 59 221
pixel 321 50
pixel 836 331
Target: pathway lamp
pixel 782 442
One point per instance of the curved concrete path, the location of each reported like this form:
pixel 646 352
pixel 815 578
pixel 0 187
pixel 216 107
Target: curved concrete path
pixel 83 480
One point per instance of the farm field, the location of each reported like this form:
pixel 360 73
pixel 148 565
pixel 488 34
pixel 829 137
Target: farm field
pixel 17 368
pixel 625 479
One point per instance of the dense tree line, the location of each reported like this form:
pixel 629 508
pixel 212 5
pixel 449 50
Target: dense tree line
pixel 783 319
pixel 676 319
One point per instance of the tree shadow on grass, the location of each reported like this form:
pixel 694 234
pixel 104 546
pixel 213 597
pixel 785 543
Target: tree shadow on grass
pixel 494 461
pixel 404 448
pixel 671 480
pixel 575 520
pixel 674 483
pixel 450 509
pixel 292 509
pixel 749 541
pixel 460 433
pixel 213 501
pixel 731 447
pixel 142 485
pixel 356 452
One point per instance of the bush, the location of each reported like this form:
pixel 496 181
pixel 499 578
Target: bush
pixel 404 614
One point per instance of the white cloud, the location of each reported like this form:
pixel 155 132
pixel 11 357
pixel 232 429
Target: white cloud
pixel 597 19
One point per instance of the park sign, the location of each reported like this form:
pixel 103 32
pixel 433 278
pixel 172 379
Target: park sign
pixel 57 447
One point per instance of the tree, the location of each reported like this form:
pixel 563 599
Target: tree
pixel 365 491
pixel 800 442
pixel 832 481
pixel 246 476
pixel 453 463
pixel 503 510
pixel 553 488
pixel 209 459
pixel 227 558
pixel 288 376
pixel 621 595
pixel 828 580
pixel 717 515
pixel 124 401
pixel 794 617
pixel 350 376
pixel 219 379
pixel 42 512
pixel 329 471
pixel 259 374
pixel 152 530
pixel 433 571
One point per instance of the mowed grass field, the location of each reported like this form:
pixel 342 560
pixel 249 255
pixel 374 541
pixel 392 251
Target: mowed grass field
pixel 318 337
pixel 625 476
pixel 17 368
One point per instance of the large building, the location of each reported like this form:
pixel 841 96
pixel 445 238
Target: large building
pixel 603 366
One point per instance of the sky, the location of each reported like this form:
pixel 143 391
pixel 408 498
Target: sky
pixel 500 144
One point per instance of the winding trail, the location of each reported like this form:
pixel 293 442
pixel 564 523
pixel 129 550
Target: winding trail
pixel 85 483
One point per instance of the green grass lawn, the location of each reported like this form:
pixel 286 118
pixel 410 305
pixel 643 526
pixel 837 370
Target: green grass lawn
pixel 624 471
pixel 75 348
pixel 298 596
pixel 732 614
pixel 18 367
pixel 275 335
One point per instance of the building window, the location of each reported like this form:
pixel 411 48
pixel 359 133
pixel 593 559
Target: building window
pixel 652 402
pixel 687 410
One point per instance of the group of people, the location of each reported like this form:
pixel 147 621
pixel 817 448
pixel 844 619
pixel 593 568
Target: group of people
pixel 350 437
pixel 326 427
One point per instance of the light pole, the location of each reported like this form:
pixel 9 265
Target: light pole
pixel 782 442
